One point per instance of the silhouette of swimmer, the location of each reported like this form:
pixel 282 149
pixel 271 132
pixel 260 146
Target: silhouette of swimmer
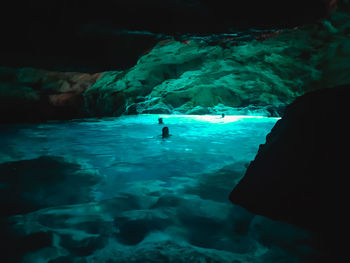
pixel 223 115
pixel 160 121
pixel 165 132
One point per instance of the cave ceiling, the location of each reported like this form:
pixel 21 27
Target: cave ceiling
pixel 94 36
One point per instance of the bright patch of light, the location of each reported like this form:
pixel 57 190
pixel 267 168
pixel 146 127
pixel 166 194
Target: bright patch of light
pixel 216 118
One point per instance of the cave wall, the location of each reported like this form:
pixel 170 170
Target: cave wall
pixel 93 36
pixel 299 175
pixel 256 73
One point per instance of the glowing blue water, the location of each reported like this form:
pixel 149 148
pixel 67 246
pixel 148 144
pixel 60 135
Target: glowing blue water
pixel 152 199
pixel 131 148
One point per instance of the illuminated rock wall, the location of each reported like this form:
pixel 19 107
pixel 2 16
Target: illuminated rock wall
pixel 194 75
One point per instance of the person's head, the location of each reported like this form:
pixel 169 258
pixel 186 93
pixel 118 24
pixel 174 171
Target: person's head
pixel 165 132
pixel 160 120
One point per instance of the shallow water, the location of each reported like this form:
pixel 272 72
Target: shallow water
pixel 131 148
pixel 137 196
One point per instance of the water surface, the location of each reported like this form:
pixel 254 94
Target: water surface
pixel 117 188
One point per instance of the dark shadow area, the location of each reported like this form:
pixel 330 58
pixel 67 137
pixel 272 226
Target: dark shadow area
pixel 91 36
pixel 132 232
pixel 47 181
pixel 29 185
pixel 299 175
pixel 215 186
pixel 14 244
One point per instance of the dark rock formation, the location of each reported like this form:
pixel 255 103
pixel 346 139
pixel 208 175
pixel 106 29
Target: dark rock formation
pixel 30 95
pixel 94 36
pixel 30 185
pixel 300 174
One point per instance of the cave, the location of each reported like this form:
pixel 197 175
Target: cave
pixel 174 131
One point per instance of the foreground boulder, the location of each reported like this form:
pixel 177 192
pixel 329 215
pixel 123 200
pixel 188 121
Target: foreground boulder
pixel 299 175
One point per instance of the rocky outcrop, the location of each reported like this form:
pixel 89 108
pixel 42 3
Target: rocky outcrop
pixel 300 174
pixel 37 95
pixel 192 75
pixel 198 76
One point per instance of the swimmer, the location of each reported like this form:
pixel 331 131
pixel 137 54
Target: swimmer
pixel 223 115
pixel 160 121
pixel 165 132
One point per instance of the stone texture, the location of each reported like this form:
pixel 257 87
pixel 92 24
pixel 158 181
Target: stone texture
pixel 299 174
pixel 150 225
pixel 29 94
pixel 191 75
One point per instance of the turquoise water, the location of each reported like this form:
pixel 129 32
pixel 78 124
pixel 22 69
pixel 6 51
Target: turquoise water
pixel 129 195
pixel 131 148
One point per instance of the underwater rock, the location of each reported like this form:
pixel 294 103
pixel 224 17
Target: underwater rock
pixel 35 185
pixel 298 175
pixel 18 244
pixel 29 185
pixel 167 224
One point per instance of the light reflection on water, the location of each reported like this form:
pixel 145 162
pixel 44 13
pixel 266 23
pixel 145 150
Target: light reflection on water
pixel 130 148
pixel 137 192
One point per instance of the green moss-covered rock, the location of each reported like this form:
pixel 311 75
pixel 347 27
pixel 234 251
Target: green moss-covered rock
pixel 266 73
pixel 104 98
pixel 195 76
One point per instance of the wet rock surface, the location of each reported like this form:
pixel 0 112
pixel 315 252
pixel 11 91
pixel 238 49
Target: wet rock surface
pixel 250 73
pixel 32 95
pixel 259 77
pixel 31 185
pixel 298 174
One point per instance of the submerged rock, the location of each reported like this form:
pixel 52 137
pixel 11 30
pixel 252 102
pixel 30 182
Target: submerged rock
pixel 29 185
pixel 299 174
